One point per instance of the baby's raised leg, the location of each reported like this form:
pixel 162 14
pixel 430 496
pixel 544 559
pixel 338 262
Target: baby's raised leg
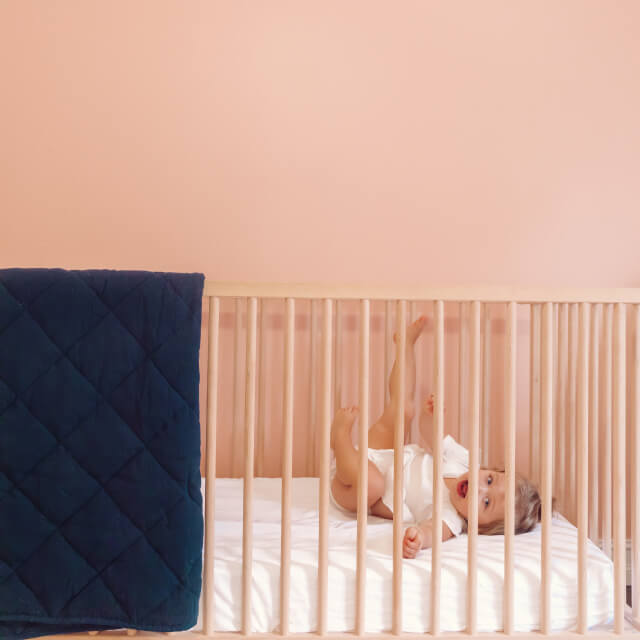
pixel 381 433
pixel 345 483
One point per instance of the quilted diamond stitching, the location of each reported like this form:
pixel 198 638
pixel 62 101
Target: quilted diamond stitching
pixel 102 488
pixel 62 406
pixel 72 565
pixel 144 445
pixel 137 539
pixel 148 356
pixel 25 306
pixel 52 486
pixel 81 312
pixel 32 364
pixel 37 275
pixel 58 531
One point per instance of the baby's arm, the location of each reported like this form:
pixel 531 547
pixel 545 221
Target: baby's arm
pixel 421 537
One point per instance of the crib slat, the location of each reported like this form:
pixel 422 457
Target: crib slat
pixel 398 458
pixel 237 384
pixel 554 385
pixel 582 451
pixel 635 466
pixel 325 426
pixel 438 436
pixel 463 359
pixel 250 419
pixel 262 386
pixel 510 466
pixel 388 332
pixel 363 471
pixel 606 454
pixel 415 430
pixel 570 432
pixel 312 431
pixel 212 419
pixel 486 385
pixel 287 466
pixel 619 416
pixel 594 430
pixel 474 463
pixel 561 404
pixel 534 394
pixel 337 358
pixel 546 418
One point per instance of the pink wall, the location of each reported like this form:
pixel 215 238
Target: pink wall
pixel 486 142
pixel 439 142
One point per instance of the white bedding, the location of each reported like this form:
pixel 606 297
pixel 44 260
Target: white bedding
pixel 416 572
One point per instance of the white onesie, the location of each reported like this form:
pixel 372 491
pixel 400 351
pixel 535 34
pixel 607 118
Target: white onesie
pixel 418 480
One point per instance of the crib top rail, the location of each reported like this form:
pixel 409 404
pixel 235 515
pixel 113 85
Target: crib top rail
pixel 522 295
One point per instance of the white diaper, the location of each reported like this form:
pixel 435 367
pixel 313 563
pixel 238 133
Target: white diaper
pixel 383 459
pixel 417 490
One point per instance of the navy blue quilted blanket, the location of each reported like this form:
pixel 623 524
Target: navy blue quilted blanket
pixel 100 505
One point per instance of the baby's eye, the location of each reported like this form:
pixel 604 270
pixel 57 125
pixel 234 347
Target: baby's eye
pixel 489 480
pixel 486 502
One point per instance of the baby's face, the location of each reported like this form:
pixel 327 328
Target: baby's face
pixel 490 496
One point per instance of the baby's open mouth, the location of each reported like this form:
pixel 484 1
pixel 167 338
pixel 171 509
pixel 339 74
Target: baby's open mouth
pixel 463 485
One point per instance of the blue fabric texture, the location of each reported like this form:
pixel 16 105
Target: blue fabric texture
pixel 100 507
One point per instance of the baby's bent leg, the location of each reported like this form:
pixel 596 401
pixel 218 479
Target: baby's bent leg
pixel 345 483
pixel 346 455
pixel 347 495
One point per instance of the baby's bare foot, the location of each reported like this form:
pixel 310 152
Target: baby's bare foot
pixel 413 331
pixel 342 422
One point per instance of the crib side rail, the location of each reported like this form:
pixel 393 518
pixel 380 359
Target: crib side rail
pixel 578 347
pixel 485 294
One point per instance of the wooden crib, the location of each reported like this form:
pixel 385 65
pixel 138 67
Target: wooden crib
pixel 563 393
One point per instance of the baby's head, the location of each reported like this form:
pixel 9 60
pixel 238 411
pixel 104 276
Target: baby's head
pixel 491 501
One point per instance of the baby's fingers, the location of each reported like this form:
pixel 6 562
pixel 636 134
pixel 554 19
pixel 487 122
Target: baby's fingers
pixel 409 550
pixel 411 533
pixel 411 543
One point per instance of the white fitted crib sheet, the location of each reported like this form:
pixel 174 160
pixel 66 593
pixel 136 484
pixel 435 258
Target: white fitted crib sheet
pixel 265 606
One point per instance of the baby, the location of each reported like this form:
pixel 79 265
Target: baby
pixel 418 472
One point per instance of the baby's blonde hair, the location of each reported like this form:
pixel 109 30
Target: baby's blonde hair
pixel 527 512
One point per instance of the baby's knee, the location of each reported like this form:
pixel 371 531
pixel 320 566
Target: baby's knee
pixel 375 485
pixel 343 496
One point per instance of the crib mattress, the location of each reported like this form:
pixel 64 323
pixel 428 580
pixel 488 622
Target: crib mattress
pixel 416 572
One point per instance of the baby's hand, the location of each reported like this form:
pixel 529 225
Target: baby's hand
pixel 429 405
pixel 412 542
